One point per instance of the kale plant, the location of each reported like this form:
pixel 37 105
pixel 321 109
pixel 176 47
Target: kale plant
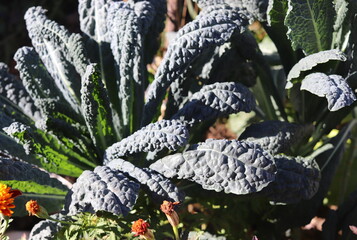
pixel 85 108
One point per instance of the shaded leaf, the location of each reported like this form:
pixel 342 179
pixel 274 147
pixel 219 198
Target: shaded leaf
pixel 13 90
pixel 154 21
pixel 307 63
pixel 104 189
pixel 297 179
pixel 333 87
pixel 342 219
pixel 154 137
pixel 222 165
pixel 310 25
pixel 34 184
pixel 304 211
pixel 159 187
pixel 276 136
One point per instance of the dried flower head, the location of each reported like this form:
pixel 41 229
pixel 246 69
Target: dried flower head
pixel 167 207
pixel 36 210
pixel 7 196
pixel 141 228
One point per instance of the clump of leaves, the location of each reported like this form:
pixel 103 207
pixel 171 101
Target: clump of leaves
pixel 80 110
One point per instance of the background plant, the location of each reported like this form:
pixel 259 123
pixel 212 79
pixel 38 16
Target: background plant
pixel 81 104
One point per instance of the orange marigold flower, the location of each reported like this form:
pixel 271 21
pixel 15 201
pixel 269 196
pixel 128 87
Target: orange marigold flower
pixel 7 196
pixel 167 207
pixel 141 228
pixel 35 209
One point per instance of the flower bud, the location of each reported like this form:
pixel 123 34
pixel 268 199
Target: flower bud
pixel 37 210
pixel 168 208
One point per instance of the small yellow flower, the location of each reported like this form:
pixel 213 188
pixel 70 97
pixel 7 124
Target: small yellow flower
pixel 7 196
pixel 37 210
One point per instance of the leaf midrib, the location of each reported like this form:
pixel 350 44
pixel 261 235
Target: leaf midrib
pixel 314 24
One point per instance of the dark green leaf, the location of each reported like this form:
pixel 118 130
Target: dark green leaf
pixel 310 24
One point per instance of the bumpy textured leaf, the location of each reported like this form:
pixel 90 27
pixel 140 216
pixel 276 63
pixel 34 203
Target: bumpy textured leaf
pixel 296 179
pixel 159 187
pixel 333 87
pixel 61 52
pixel 257 8
pixel 11 149
pixel 12 89
pixel 34 183
pixel 153 21
pixel 222 165
pixel 34 76
pixel 154 137
pixel 126 44
pixel 55 154
pixel 276 136
pixel 216 100
pixel 92 18
pixel 206 31
pixel 104 189
pixel 310 24
pixel 45 230
pixel 47 97
pixel 96 108
pixel 307 63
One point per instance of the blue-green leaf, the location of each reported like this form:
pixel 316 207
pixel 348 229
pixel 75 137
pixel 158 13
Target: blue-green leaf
pixel 154 137
pixel 159 186
pixel 309 62
pixel 333 87
pixel 222 165
pixel 206 31
pixel 61 52
pixel 103 189
pixel 217 100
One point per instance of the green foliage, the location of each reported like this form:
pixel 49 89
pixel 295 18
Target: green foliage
pixel 93 226
pixel 81 105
